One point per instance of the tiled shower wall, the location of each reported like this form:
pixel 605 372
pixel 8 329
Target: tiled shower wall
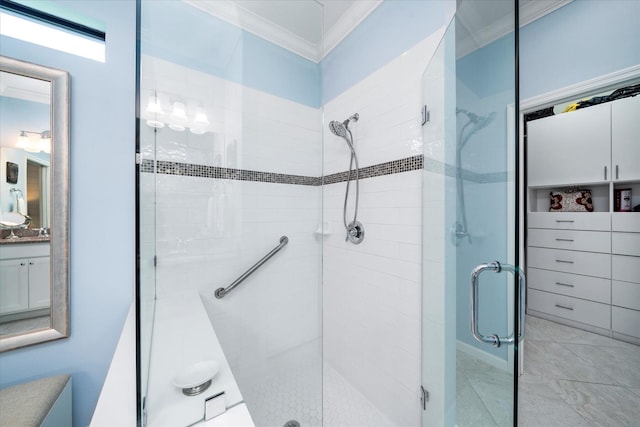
pixel 372 291
pixel 224 199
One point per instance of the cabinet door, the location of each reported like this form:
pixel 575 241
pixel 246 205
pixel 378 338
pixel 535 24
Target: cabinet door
pixel 14 285
pixel 39 282
pixel 570 148
pixel 625 138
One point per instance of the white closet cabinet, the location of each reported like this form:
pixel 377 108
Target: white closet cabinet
pixel 583 268
pixel 625 138
pixel 571 148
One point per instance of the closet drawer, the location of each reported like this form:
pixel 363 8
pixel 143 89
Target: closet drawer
pixel 573 285
pixel 593 221
pixel 579 310
pixel 626 294
pixel 585 263
pixel 625 243
pixel 626 268
pixel 625 221
pixel 625 321
pixel 592 241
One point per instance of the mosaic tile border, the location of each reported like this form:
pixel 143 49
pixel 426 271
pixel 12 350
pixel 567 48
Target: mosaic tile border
pixel 388 168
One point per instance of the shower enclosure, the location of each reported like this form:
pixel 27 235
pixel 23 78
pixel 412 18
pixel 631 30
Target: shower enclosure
pixel 473 287
pixel 249 298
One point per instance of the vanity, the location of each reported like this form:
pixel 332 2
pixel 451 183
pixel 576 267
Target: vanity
pixel 25 265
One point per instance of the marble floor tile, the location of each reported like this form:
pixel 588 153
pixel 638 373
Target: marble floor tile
pixel 539 405
pixel 554 361
pixel 470 410
pixel 599 404
pixel 577 378
pixel 622 365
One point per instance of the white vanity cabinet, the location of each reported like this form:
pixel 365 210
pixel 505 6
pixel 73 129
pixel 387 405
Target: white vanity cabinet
pixel 570 148
pixel 24 277
pixel 625 138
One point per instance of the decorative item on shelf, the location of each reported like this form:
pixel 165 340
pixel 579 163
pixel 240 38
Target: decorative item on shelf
pixel 42 144
pixel 571 200
pixel 622 200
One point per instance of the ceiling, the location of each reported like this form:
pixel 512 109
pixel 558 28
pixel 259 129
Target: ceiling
pixel 296 24
pixel 22 87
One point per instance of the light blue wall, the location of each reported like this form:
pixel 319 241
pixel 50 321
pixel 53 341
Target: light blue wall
pixel 170 29
pixel 102 251
pixel 583 40
pixel 18 114
pixel 391 29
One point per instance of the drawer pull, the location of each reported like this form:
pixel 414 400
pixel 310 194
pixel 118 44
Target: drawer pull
pixel 565 284
pixel 564 307
pixel 564 220
pixel 564 240
pixel 564 261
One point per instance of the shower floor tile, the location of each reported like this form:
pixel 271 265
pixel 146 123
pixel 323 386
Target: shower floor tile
pixel 292 389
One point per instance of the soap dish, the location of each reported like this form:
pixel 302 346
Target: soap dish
pixel 196 378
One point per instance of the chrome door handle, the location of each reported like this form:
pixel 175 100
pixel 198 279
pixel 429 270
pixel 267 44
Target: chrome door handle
pixel 494 339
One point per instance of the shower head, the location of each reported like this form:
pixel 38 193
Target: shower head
pixel 474 124
pixel 481 122
pixel 477 121
pixel 337 128
pixel 341 129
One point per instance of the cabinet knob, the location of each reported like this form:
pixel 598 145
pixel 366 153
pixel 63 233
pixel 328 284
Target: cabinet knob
pixel 23 264
pixel 30 262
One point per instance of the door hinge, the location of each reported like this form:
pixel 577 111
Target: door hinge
pixel 424 397
pixel 138 159
pixel 155 260
pixel 425 115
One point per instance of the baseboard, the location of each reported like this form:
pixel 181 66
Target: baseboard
pixel 483 356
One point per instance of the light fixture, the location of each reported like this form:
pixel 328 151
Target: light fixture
pixel 200 122
pixel 178 117
pixel 43 144
pixel 45 141
pixel 153 105
pixel 175 117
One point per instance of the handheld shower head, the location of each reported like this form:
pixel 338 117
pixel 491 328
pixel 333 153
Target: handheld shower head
pixel 337 128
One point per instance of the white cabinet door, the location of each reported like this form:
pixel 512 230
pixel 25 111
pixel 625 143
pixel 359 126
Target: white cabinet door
pixel 14 285
pixel 625 138
pixel 39 282
pixel 570 148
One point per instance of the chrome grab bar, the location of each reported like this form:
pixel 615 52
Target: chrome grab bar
pixel 494 338
pixel 221 292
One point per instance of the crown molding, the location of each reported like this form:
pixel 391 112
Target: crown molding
pixel 630 75
pixel 235 14
pixel 529 11
pixel 357 13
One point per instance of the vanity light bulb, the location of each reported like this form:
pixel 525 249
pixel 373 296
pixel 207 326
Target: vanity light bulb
pixel 153 105
pixel 23 141
pixel 179 112
pixel 178 117
pixel 201 118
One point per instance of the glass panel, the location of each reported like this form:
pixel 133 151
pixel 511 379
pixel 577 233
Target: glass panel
pixel 231 149
pixel 470 139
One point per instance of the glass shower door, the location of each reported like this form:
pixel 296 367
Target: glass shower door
pixel 470 300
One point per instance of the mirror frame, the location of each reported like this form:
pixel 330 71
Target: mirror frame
pixel 59 204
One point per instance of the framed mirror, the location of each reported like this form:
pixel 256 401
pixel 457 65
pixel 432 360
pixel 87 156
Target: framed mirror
pixel 34 204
